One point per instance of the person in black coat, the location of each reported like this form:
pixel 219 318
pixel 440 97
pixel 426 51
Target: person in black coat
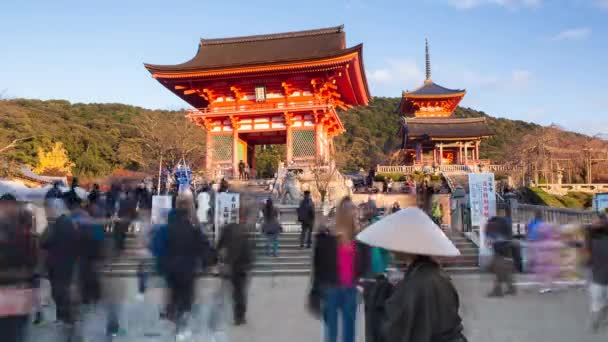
pixel 423 306
pixel 62 245
pixel 187 250
pixel 498 232
pixel 235 249
pixel 306 215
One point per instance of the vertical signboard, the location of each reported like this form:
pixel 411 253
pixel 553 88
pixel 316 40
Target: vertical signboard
pixel 161 205
pixel 227 206
pixel 482 199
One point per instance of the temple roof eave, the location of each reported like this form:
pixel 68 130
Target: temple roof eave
pixel 171 71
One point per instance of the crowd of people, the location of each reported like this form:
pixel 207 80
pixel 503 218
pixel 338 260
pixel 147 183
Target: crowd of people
pixel 551 253
pixel 354 253
pixel 81 235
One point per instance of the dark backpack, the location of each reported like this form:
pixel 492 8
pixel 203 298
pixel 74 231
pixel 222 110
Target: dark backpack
pixel 305 211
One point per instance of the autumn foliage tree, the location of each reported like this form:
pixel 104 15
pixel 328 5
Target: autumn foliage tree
pixel 54 162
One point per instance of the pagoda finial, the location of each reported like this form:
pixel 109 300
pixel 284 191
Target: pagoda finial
pixel 428 61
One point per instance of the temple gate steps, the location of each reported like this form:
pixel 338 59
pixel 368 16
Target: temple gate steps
pixel 292 260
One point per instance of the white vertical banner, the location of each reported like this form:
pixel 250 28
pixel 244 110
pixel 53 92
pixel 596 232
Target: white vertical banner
pixel 161 206
pixel 227 206
pixel 482 199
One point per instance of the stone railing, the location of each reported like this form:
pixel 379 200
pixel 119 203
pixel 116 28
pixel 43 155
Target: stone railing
pixel 408 169
pixel 454 168
pixel 565 188
pixel 522 214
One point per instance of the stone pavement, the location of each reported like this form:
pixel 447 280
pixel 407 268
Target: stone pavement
pixel 277 313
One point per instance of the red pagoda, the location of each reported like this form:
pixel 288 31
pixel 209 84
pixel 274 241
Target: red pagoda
pixel 431 135
pixel 279 88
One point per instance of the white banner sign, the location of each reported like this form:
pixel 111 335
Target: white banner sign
pixel 161 205
pixel 482 199
pixel 226 210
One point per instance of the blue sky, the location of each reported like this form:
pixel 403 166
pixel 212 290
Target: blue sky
pixel 535 60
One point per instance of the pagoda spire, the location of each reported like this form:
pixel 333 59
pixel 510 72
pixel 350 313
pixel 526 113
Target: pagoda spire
pixel 428 61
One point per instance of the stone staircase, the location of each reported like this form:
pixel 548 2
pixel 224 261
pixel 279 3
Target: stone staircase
pixel 292 260
pixel 455 178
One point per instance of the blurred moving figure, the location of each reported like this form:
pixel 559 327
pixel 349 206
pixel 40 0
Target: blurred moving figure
pixel 338 263
pixel 186 250
pixel 271 228
pixel 306 215
pixel 597 246
pixel 498 232
pixel 395 208
pixel 127 212
pixel 17 266
pixel 235 251
pixel 61 241
pixel 91 239
pixel 546 256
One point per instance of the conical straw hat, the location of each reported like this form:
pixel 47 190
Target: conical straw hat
pixel 411 231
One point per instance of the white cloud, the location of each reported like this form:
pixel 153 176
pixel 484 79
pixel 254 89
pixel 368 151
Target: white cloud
pixel 401 71
pixel 381 75
pixel 510 4
pixel 517 79
pixel 521 77
pixel 578 33
pixel 601 3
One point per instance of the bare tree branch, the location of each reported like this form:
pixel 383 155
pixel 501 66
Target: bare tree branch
pixel 14 144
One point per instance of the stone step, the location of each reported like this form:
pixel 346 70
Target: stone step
pixel 285 272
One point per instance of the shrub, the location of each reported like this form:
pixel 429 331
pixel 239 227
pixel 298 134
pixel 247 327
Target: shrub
pixel 542 197
pixel 395 176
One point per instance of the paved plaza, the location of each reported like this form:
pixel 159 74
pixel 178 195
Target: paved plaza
pixel 277 313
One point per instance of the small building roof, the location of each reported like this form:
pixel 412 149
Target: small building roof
pixel 448 128
pixel 263 49
pixel 431 89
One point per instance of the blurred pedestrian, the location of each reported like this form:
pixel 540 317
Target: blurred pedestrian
pixel 95 194
pixel 546 255
pixel 55 191
pixel 376 290
pixel 61 243
pixel 91 236
pixel 186 251
pixel 271 228
pixel 127 212
pixel 338 263
pixel 235 250
pixel 534 225
pixel 395 208
pixel 597 246
pixel 223 185
pixel 502 264
pixel 306 216
pixel 18 255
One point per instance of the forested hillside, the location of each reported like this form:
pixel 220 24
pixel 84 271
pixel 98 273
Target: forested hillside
pixel 100 138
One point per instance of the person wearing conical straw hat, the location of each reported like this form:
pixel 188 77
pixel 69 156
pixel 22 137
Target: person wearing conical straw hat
pixel 424 305
pixel 338 262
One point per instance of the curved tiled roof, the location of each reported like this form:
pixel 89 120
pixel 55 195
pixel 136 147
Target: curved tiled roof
pixel 448 127
pixel 429 88
pixel 263 49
